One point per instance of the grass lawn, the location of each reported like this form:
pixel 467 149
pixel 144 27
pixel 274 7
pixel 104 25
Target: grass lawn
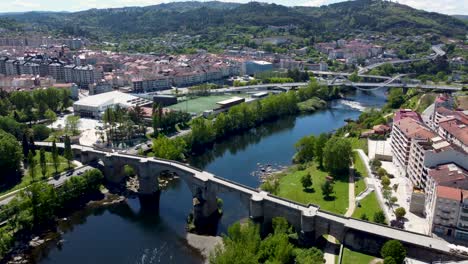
pixel 358 143
pixel 352 257
pixel 200 104
pixel 369 206
pixel 360 171
pixel 26 179
pixel 291 188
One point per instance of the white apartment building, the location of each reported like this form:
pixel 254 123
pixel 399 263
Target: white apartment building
pixel 403 132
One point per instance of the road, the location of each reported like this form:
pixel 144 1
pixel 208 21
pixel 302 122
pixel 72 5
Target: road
pixel 57 182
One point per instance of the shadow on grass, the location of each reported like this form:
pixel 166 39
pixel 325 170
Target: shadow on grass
pixel 309 190
pixel 329 198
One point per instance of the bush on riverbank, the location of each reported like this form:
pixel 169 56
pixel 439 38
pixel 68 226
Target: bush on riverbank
pixel 38 205
pixel 311 105
pixel 243 244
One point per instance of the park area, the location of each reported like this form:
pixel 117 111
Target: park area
pixel 200 104
pixel 26 179
pixel 291 188
pixel 354 257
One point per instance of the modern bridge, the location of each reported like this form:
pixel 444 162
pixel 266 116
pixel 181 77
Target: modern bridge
pixel 309 220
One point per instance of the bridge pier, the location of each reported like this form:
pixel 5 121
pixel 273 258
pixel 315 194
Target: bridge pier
pixel 205 209
pixel 307 232
pixel 147 178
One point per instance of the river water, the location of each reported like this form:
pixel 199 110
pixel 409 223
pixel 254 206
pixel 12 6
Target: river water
pixel 126 234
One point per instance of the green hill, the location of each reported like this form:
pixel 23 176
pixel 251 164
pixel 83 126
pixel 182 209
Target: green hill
pixel 199 17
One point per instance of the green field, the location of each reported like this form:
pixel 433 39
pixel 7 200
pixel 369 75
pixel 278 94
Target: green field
pixel 361 173
pixel 369 206
pixel 291 188
pixel 26 179
pixel 352 257
pixel 200 104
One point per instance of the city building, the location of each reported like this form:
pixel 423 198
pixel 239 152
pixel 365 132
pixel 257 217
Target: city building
pixel 252 67
pixel 94 106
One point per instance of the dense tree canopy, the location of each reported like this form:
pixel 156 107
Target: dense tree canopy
pixel 10 156
pixel 337 155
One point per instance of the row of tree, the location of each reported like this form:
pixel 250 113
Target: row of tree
pixel 33 105
pixel 38 205
pixel 244 244
pixel 243 117
pixel 334 154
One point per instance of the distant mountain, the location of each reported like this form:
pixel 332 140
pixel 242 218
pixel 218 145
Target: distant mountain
pixel 219 18
pixel 462 17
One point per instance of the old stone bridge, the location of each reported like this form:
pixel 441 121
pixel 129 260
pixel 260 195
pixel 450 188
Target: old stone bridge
pixel 310 221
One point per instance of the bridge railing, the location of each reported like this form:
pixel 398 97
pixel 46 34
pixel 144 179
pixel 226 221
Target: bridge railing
pixel 237 184
pixel 165 160
pixel 290 201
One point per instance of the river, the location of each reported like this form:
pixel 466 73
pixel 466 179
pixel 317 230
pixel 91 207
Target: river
pixel 126 234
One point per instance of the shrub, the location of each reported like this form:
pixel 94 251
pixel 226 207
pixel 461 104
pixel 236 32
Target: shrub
pixel 395 250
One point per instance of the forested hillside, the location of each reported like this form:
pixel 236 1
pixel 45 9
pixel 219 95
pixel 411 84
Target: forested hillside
pixel 197 17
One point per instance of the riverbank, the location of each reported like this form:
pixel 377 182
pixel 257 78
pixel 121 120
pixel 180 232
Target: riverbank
pixel 50 235
pixel 205 244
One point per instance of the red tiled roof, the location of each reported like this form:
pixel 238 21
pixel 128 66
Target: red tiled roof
pixel 457 127
pixel 449 193
pixel 414 129
pixel 449 175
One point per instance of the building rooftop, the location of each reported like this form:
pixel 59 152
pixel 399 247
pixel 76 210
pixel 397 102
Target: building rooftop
pixel 114 97
pixel 457 128
pixel 231 100
pixel 449 193
pixel 449 175
pixel 404 113
pixel 414 129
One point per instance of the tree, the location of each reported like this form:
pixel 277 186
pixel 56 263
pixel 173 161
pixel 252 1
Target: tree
pixel 385 182
pixel 364 217
pixel 10 156
pixel 129 171
pixel 71 125
pixel 31 165
pixel 305 149
pixel 389 260
pixel 309 256
pixel 306 181
pixel 50 115
pixel 337 155
pixel 400 212
pixel 40 132
pixel 394 249
pixel 43 162
pixel 32 145
pixel 68 154
pixel 381 172
pixel 327 189
pixel 55 156
pixel 165 148
pixel 387 194
pixel 393 200
pixel 379 217
pixel 25 145
pixel 319 145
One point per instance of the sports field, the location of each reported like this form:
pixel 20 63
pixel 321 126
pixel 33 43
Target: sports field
pixel 200 104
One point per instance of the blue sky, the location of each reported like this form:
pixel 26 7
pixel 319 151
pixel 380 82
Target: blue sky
pixel 441 6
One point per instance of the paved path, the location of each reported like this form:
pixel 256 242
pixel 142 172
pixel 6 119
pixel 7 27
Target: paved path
pixel 57 182
pixel 372 178
pixel 352 197
pixel 330 250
